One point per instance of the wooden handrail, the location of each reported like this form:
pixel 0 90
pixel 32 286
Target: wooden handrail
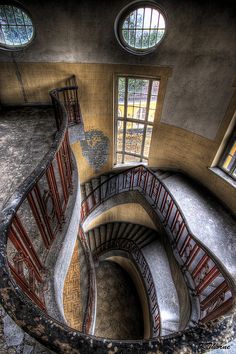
pixel 29 312
pixel 208 270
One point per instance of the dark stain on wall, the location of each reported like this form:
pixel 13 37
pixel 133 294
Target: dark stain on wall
pixel 95 148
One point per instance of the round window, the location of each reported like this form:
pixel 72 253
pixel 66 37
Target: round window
pixel 140 27
pixel 16 27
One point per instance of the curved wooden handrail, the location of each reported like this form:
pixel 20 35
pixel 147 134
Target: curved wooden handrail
pixel 140 262
pixel 189 249
pixel 57 336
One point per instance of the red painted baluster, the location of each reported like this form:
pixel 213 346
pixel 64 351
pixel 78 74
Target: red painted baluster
pixel 41 216
pixel 55 195
pixel 20 239
pixel 62 173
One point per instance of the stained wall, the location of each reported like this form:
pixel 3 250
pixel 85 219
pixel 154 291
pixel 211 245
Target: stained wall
pixel 195 62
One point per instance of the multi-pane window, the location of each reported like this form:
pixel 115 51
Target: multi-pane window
pixel 16 28
pixel 140 27
pixel 228 162
pixel 136 100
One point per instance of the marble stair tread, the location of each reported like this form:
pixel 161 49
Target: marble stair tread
pixel 91 239
pixel 26 135
pixel 83 191
pixel 95 182
pixel 161 174
pixel 157 260
pixel 208 220
pixel 140 232
pixel 122 229
pixel 146 238
pixel 103 233
pixel 88 188
pixel 128 229
pixel 167 296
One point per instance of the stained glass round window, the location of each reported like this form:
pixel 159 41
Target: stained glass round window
pixel 140 27
pixel 16 27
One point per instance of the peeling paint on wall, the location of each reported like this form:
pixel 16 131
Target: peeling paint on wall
pixel 95 148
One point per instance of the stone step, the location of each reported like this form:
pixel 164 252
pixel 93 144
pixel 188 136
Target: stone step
pixel 103 231
pixel 133 232
pixel 97 237
pixel 147 241
pixel 95 185
pixel 109 231
pixel 88 188
pixel 161 174
pixel 123 227
pixel 128 229
pixel 115 231
pixel 82 192
pixel 139 233
pixel 91 240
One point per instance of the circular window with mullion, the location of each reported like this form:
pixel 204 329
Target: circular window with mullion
pixel 140 27
pixel 16 27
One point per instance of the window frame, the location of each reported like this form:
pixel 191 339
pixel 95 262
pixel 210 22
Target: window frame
pixel 120 19
pixel 14 48
pixel 124 119
pixel 226 152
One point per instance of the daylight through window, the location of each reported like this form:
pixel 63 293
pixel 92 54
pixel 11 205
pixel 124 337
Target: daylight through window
pixel 16 28
pixel 135 111
pixel 141 27
pixel 228 163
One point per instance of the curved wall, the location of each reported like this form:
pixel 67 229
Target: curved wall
pixel 198 53
pixel 130 212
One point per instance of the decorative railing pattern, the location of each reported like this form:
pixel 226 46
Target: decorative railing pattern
pixel 22 274
pixel 68 96
pixel 39 214
pixel 141 263
pixel 89 314
pixel 206 279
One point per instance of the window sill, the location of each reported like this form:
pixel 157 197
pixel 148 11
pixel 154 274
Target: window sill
pixel 217 171
pixel 128 165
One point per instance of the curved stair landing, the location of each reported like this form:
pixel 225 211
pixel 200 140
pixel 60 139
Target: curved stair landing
pixel 26 134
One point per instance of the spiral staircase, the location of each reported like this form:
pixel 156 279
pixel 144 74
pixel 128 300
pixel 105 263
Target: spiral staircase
pixel 184 267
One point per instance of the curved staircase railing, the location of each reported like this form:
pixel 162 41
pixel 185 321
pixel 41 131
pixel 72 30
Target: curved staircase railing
pixel 131 247
pixel 207 280
pixel 37 208
pixel 22 271
pixel 90 308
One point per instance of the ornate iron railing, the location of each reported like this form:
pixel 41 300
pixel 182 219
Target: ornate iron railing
pixel 40 212
pixel 146 275
pixel 206 278
pixel 68 96
pixel 22 271
pixel 90 310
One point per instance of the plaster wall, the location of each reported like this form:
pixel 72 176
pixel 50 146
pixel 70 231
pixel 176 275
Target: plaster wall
pixel 131 212
pixel 200 46
pixel 171 146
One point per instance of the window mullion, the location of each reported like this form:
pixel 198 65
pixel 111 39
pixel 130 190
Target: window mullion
pixel 143 28
pixel 146 117
pixel 125 117
pixel 150 28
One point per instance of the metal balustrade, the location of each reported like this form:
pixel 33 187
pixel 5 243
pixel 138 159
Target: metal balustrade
pixel 209 284
pixel 36 212
pixel 38 207
pixel 90 310
pixel 68 96
pixel 146 275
